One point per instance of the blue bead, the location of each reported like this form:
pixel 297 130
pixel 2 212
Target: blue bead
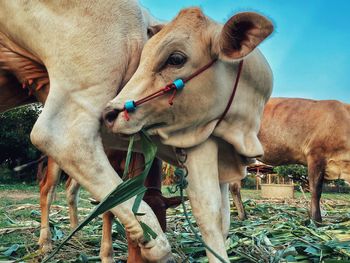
pixel 179 84
pixel 129 105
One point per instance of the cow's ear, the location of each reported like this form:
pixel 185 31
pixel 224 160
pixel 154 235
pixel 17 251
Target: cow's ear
pixel 152 30
pixel 241 34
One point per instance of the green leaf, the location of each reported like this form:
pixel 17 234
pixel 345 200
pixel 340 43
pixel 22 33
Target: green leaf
pixel 120 229
pixel 313 251
pixel 83 258
pixel 128 158
pixel 290 258
pixel 11 249
pixel 126 190
pixel 137 203
pixel 148 231
pixel 57 233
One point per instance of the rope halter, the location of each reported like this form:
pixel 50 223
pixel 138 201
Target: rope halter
pixel 177 85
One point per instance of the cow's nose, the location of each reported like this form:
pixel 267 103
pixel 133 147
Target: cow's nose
pixel 109 115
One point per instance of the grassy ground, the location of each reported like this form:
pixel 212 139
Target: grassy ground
pixel 276 231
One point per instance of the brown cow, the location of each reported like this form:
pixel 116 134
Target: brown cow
pixel 309 132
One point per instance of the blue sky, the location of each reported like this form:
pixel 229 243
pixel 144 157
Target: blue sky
pixel 309 51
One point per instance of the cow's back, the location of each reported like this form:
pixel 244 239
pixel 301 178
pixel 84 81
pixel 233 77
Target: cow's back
pixel 293 129
pixel 66 35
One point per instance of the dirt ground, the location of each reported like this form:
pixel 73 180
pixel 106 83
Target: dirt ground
pixel 17 195
pixel 276 230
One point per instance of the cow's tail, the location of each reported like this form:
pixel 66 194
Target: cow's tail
pixel 27 165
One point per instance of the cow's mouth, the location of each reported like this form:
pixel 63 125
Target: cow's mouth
pixel 126 136
pixel 152 128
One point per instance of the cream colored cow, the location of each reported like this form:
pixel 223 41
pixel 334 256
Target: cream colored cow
pixel 217 154
pixel 90 49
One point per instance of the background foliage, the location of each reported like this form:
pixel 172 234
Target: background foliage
pixel 15 145
pixel 294 170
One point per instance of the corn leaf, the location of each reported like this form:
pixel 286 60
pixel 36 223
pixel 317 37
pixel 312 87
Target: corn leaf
pixel 126 190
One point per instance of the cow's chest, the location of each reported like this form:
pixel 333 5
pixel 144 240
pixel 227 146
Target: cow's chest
pixel 28 71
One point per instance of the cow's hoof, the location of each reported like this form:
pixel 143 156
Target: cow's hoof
pixel 166 259
pixel 317 218
pixel 44 242
pixel 45 247
pixel 157 250
pixel 106 254
pixel 107 259
pixel 318 222
pixel 242 217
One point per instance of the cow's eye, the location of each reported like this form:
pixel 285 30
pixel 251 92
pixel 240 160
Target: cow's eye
pixel 176 59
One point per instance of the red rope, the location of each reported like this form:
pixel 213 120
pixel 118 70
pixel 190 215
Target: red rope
pixel 168 88
pixel 240 66
pixel 126 115
pixel 199 71
pixel 172 87
pixel 155 94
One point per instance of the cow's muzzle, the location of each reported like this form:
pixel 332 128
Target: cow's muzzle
pixel 109 116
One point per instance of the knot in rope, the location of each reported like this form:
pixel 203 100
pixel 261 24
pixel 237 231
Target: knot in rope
pixel 180 180
pixel 180 175
pixel 130 105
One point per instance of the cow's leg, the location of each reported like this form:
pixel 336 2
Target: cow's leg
pixel 205 196
pixel 106 251
pixel 72 193
pixel 316 171
pixel 235 189
pixel 47 191
pixel 134 252
pixel 64 124
pixel 225 209
pixel 153 196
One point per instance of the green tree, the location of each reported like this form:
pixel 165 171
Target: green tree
pixel 15 145
pixel 295 171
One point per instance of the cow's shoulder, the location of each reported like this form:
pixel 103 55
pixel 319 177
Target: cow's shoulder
pixel 331 135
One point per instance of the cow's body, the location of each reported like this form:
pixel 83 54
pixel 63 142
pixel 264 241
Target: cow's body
pixel 83 77
pixel 309 132
pixel 11 93
pixel 216 153
pixel 89 49
pixel 14 94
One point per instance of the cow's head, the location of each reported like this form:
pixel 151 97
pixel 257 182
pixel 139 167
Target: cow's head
pixel 183 46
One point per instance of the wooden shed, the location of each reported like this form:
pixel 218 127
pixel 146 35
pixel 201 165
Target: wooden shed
pixel 278 187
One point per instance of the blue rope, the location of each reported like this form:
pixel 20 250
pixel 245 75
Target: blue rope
pixel 181 184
